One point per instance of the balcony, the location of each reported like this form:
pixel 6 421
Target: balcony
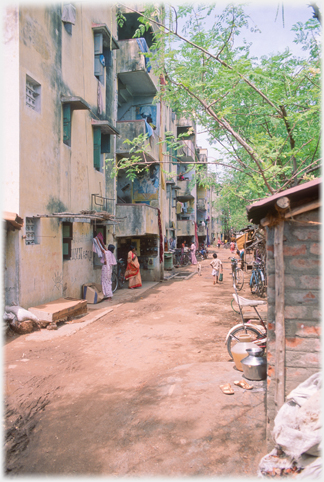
pixel 185 228
pixel 202 204
pixel 132 129
pixel 183 194
pixel 187 152
pixel 141 220
pixel 132 69
pixel 202 230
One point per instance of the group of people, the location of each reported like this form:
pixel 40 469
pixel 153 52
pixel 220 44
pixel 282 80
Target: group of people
pixel 108 260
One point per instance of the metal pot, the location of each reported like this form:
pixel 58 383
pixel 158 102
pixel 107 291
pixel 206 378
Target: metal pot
pixel 254 365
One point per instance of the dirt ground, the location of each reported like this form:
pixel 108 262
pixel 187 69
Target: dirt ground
pixel 136 393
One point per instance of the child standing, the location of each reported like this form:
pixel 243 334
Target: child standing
pixel 217 266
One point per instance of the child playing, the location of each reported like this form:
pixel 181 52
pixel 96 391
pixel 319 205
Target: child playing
pixel 217 265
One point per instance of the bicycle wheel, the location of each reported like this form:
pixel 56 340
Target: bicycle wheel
pixel 261 287
pixel 254 283
pixel 114 282
pixel 239 281
pixel 240 330
pixel 233 303
pixel 121 280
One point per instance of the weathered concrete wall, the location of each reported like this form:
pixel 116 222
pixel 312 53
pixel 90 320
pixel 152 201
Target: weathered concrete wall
pixel 302 306
pixel 140 220
pixel 11 126
pixel 55 177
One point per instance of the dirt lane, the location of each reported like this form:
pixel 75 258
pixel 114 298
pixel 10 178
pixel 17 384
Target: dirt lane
pixel 137 392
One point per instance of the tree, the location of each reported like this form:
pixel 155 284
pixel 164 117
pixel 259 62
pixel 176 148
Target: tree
pixel 263 113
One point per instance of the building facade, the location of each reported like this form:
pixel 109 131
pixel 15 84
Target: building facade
pixel 77 86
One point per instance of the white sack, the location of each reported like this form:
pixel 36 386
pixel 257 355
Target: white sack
pixel 21 314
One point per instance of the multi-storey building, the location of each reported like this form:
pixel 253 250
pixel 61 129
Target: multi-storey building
pixel 77 87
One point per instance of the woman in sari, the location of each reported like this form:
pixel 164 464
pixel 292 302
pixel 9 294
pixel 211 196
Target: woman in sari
pixel 193 253
pixel 132 272
pixel 108 260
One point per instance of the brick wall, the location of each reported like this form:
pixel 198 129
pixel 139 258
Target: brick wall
pixel 302 306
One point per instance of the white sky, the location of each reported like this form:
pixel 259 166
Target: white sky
pixel 274 37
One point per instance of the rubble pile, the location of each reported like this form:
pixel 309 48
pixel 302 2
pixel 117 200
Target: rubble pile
pixel 297 434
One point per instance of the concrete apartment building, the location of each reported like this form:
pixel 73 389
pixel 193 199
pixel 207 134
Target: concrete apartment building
pixel 76 87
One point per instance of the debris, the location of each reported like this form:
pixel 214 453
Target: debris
pixel 297 434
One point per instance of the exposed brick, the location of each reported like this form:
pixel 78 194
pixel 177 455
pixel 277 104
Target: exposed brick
pixel 295 376
pixel 302 359
pixel 303 344
pixel 270 248
pixel 309 282
pixel 271 326
pixel 302 297
pixel 304 264
pixel 271 371
pixel 316 315
pixel 315 249
pixel 290 281
pixel 297 250
pixel 295 312
pixel 304 330
pixel 307 234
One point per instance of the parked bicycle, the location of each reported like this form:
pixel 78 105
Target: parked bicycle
pixel 258 333
pixel 237 274
pixel 118 275
pixel 257 280
pixel 181 259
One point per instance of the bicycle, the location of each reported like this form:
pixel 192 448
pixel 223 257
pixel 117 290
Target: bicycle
pixel 258 333
pixel 118 275
pixel 237 274
pixel 257 280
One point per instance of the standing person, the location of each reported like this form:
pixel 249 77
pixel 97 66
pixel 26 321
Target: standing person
pixel 217 266
pixel 132 272
pixel 241 255
pixel 108 260
pixel 193 253
pixel 218 243
pixel 183 245
pixel 232 246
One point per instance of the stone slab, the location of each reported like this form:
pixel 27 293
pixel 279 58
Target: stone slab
pixel 60 309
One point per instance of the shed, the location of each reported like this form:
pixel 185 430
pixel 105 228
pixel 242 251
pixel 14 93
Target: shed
pixel 292 222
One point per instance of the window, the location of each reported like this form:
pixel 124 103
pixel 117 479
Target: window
pixel 96 230
pixel 68 17
pixel 70 104
pixel 32 229
pixel 67 124
pixel 101 145
pixel 67 233
pixel 33 90
pixel 99 58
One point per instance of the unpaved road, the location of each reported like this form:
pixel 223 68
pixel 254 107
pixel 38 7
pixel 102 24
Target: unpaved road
pixel 137 393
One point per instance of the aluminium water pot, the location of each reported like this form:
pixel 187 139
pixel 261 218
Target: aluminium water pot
pixel 255 364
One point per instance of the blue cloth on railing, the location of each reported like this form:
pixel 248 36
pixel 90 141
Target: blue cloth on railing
pixel 149 129
pixel 144 48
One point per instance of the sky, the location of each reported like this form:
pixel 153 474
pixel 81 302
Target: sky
pixel 274 36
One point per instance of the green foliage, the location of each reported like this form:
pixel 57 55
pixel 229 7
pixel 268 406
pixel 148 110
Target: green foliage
pixel 264 114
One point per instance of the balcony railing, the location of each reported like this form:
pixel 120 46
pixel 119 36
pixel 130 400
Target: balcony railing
pixel 184 194
pixel 187 151
pixel 141 220
pixel 132 69
pixel 132 129
pixel 202 231
pixel 185 228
